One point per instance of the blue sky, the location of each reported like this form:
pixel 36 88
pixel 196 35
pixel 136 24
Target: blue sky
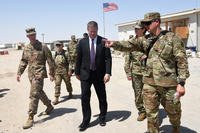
pixel 59 19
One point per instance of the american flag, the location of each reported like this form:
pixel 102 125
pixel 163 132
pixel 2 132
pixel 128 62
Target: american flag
pixel 109 7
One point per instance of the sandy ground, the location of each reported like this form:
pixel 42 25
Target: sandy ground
pixel 67 115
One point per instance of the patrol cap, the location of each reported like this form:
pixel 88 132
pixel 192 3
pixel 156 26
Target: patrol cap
pixel 151 16
pixel 73 37
pixel 57 43
pixel 138 25
pixel 30 31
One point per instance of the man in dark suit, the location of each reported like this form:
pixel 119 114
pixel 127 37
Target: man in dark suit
pixel 93 66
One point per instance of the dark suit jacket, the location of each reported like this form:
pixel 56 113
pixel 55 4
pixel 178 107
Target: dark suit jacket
pixel 103 60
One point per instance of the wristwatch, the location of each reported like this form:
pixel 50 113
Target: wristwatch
pixel 182 83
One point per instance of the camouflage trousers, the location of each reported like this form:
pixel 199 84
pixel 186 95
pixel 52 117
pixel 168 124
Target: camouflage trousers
pixel 153 96
pixel 58 81
pixel 36 94
pixel 137 85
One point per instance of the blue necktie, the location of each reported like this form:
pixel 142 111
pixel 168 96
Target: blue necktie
pixel 92 56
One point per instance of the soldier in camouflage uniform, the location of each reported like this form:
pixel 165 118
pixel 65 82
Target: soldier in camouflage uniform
pixel 61 71
pixel 133 69
pixel 166 71
pixel 71 48
pixel 35 55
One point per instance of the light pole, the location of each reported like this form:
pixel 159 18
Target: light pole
pixel 43 37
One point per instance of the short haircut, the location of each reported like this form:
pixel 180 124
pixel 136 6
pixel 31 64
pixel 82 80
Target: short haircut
pixel 85 34
pixel 92 24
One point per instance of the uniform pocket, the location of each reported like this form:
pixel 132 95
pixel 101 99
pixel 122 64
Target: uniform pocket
pixel 166 52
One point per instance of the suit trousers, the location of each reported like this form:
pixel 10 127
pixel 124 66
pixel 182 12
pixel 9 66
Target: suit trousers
pixel 86 94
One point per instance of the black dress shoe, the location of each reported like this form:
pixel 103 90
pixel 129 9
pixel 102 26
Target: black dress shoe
pixel 102 123
pixel 83 126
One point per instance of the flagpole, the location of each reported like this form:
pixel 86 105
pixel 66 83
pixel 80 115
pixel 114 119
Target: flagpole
pixel 103 24
pixel 107 7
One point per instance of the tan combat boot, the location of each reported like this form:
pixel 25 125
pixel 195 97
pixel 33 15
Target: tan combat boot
pixel 141 117
pixel 29 122
pixel 56 101
pixel 49 109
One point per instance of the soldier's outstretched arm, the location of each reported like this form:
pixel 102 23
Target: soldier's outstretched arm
pixel 125 46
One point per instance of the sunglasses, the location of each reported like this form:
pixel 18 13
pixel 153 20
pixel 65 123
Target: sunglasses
pixel 149 22
pixel 138 28
pixel 32 35
pixel 58 45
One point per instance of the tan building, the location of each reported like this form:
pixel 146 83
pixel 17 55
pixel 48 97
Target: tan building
pixel 186 24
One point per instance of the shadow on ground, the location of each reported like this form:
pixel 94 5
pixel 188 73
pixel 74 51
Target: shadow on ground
pixel 168 129
pixel 3 92
pixel 119 115
pixel 65 98
pixel 56 113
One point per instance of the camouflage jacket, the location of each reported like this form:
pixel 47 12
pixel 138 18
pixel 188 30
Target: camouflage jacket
pixel 35 56
pixel 61 62
pixel 133 63
pixel 71 48
pixel 167 61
